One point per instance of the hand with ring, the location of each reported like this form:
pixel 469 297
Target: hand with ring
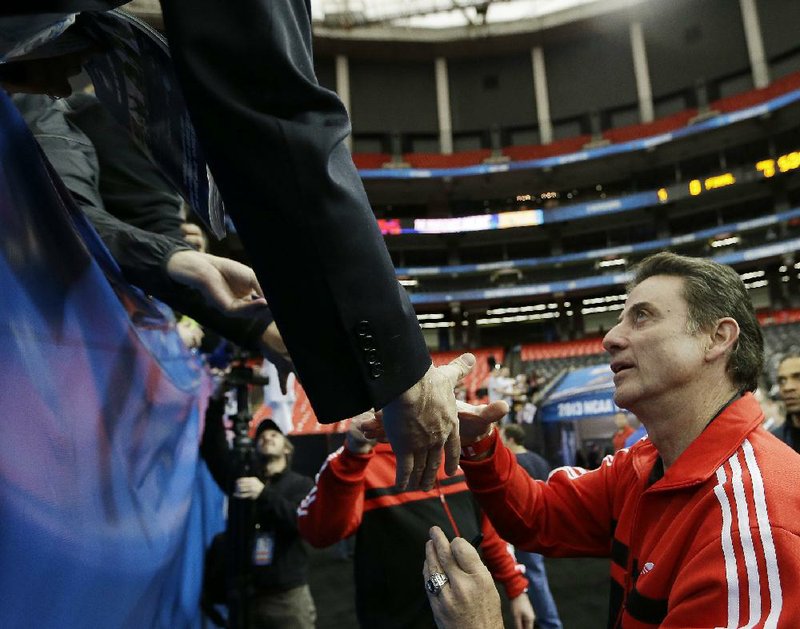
pixel 436 582
pixel 460 589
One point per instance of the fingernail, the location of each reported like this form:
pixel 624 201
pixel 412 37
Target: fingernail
pixel 469 359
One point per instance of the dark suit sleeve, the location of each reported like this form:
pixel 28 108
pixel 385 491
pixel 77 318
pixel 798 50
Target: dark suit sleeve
pixel 274 140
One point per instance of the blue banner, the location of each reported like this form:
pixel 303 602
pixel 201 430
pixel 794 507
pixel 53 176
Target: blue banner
pixel 599 254
pixel 567 286
pixel 581 394
pixel 104 510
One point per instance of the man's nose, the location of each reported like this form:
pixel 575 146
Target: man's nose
pixel 613 340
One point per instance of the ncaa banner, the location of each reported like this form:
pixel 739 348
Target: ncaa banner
pixel 581 394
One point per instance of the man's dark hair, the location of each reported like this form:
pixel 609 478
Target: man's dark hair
pixel 515 432
pixel 713 291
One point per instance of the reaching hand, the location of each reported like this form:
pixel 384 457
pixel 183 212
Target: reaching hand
pixel 522 612
pixel 469 599
pixel 227 285
pixel 194 236
pixel 274 349
pixel 474 421
pixel 423 420
pixel 248 487
pixel 355 440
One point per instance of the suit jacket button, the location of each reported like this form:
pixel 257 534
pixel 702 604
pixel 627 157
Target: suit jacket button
pixel 363 328
pixel 376 370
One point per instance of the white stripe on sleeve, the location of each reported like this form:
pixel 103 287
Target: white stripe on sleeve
pixel 731 572
pixel 765 531
pixel 748 552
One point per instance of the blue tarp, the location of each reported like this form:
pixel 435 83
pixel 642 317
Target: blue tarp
pixel 581 394
pixel 104 509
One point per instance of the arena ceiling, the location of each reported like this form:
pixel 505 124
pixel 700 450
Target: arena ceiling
pixel 433 14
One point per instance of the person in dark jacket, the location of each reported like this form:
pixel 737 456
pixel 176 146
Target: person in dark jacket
pixel 353 495
pixel 265 548
pixel 789 391
pixel 513 435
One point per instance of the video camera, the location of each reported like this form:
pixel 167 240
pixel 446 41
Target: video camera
pixel 240 377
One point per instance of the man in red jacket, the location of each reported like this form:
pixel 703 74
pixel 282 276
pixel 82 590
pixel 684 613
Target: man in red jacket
pixel 354 494
pixel 701 519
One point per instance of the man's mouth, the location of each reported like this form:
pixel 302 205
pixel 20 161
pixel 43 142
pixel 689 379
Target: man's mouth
pixel 620 365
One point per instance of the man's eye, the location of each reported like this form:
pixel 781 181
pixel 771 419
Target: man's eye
pixel 639 315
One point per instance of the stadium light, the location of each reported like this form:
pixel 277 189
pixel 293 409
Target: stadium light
pixel 725 242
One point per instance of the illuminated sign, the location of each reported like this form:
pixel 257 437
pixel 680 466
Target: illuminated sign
pixel 525 218
pixel 785 163
pixel 712 183
pixel 390 226
pixel 454 225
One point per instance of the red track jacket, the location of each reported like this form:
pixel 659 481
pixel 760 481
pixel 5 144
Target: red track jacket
pixel 355 493
pixel 713 542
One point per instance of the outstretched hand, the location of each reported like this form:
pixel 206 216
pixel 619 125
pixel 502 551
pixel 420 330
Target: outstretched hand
pixel 469 600
pixel 475 420
pixel 422 421
pixel 355 440
pixel 227 285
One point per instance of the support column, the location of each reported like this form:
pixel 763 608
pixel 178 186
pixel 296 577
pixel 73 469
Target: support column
pixel 443 106
pixel 542 95
pixel 755 43
pixel 343 88
pixel 644 89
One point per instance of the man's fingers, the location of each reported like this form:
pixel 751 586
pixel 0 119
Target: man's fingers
pixel 443 553
pixel 431 561
pixel 405 463
pixel 466 556
pixel 452 452
pixel 431 566
pixel 487 413
pixel 431 469
pixel 245 307
pixel 420 463
pixel 458 368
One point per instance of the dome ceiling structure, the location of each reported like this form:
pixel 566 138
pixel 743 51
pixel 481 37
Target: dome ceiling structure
pixel 433 14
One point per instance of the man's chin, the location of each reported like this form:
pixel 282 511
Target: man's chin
pixel 623 401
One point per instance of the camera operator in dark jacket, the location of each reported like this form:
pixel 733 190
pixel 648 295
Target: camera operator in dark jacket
pixel 267 565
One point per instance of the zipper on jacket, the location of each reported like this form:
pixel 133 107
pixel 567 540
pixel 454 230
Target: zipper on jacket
pixel 446 508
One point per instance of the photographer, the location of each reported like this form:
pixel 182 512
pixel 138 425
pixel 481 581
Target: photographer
pixel 261 556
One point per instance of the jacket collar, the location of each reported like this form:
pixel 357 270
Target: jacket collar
pixel 717 443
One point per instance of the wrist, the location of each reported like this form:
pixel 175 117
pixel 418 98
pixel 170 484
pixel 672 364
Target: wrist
pixel 480 448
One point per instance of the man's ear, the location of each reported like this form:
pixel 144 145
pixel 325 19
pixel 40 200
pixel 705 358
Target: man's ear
pixel 722 339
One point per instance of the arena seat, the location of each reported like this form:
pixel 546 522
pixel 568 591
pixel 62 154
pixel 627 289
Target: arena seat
pixel 539 151
pixel 561 349
pixel 371 160
pixel 438 160
pixel 480 373
pixel 565 146
pixel 657 127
